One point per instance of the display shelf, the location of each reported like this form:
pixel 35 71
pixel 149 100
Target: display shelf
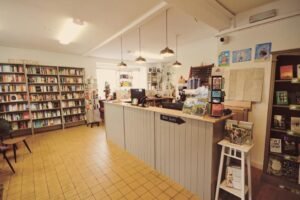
pixel 13 102
pixel 71 75
pixel 235 192
pixel 72 91
pixel 57 100
pixel 42 83
pixel 74 114
pixel 283 91
pixel 2 93
pixel 12 83
pixel 20 120
pixel 16 111
pixel 80 99
pixel 12 73
pixel 43 92
pixel 73 107
pixel 41 74
pixel 46 118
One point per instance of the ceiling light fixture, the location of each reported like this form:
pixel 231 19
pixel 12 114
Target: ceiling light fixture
pixel 167 52
pixel 140 59
pixel 122 64
pixel 176 63
pixel 71 30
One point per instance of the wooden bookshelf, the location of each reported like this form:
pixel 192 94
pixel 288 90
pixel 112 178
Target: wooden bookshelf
pixel 72 97
pixel 280 125
pixel 14 97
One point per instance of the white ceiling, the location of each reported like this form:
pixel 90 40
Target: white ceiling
pixel 36 24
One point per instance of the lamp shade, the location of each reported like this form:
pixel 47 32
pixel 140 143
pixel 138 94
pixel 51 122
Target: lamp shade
pixel 167 52
pixel 176 64
pixel 122 64
pixel 140 60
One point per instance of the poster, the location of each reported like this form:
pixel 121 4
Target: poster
pixel 241 55
pixel 224 58
pixel 263 51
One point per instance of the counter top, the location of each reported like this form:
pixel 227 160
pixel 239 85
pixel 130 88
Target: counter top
pixel 173 112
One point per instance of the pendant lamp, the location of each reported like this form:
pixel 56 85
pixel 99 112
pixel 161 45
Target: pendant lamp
pixel 122 64
pixel 140 59
pixel 176 63
pixel 167 52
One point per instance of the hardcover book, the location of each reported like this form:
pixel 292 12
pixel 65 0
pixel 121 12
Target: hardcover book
pixel 295 124
pixel 286 72
pixel 233 177
pixel 290 169
pixel 279 122
pixel 282 97
pixel 290 146
pixel 275 166
pixel 275 145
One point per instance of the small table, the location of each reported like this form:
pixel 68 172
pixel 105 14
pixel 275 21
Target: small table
pixel 14 142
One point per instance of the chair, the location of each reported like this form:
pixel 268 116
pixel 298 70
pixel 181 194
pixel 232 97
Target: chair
pixel 3 150
pixel 5 132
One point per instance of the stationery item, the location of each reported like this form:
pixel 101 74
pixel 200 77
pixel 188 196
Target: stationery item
pixel 275 145
pixel 279 122
pixel 282 97
pixel 290 146
pixel 239 132
pixel 217 110
pixel 275 166
pixel 286 72
pixel 295 124
pixel 233 177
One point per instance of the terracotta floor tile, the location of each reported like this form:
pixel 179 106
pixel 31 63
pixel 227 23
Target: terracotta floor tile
pixel 79 163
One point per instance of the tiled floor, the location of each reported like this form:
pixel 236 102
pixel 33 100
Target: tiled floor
pixel 78 163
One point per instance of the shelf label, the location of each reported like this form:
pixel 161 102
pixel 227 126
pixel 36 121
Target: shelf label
pixel 172 119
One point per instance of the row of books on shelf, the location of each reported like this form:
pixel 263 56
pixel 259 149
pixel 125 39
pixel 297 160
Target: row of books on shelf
pixel 42 70
pixel 45 105
pixel 73 111
pixel 12 78
pixel 282 98
pixel 66 104
pixel 11 68
pixel 286 145
pixel 15 116
pixel 13 88
pixel 75 72
pixel 72 88
pixel 43 79
pixel 13 107
pixel 13 97
pixel 281 122
pixel 286 72
pixel 43 88
pixel 44 97
pixel 71 80
pixel 20 125
pixel 74 118
pixel 46 122
pixel 74 95
pixel 46 114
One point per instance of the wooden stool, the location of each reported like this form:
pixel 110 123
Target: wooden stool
pixel 14 142
pixel 242 153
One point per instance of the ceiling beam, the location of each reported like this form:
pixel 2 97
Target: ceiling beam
pixel 148 15
pixel 207 11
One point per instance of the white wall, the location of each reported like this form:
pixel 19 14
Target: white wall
pixel 51 58
pixel 284 35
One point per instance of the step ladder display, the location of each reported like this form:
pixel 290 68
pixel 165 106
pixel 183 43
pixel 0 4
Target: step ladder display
pixel 241 153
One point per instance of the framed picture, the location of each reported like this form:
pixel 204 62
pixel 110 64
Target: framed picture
pixel 217 93
pixel 279 122
pixel 286 72
pixel 275 145
pixel 262 51
pixel 241 55
pixel 217 83
pixel 224 58
pixel 282 97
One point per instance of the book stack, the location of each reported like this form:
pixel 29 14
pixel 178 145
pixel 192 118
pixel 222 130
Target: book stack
pixel 44 97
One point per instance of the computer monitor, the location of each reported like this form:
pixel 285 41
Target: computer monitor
pixel 137 93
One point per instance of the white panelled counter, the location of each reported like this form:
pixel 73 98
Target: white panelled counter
pixel 187 152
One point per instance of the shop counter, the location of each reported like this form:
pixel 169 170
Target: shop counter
pixel 180 146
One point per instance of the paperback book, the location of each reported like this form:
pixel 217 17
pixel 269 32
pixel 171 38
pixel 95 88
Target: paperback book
pixel 295 124
pixel 279 122
pixel 286 72
pixel 282 97
pixel 290 146
pixel 275 145
pixel 275 166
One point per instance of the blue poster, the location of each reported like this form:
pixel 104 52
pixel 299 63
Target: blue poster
pixel 263 51
pixel 241 55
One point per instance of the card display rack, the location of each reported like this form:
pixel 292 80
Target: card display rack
pixel 36 98
pixel 72 96
pixel 282 147
pixel 14 105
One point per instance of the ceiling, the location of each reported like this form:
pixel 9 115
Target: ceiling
pixel 36 24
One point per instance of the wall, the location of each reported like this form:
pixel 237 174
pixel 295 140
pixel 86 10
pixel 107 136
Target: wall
pixel 283 35
pixel 51 58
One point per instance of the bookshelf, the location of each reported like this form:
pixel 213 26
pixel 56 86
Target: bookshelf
pixel 44 99
pixel 72 95
pixel 14 105
pixel 282 146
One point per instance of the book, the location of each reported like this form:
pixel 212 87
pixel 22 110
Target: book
pixel 275 166
pixel 217 110
pixel 275 145
pixel 290 169
pixel 282 97
pixel 297 97
pixel 298 71
pixel 233 177
pixel 286 72
pixel 217 83
pixel 295 124
pixel 290 146
pixel 279 122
